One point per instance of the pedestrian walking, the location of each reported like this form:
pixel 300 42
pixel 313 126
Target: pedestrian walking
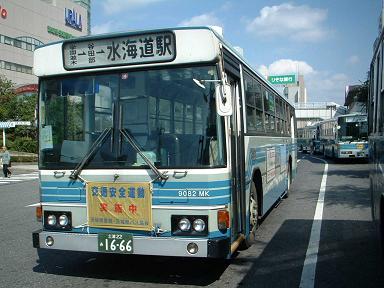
pixel 6 161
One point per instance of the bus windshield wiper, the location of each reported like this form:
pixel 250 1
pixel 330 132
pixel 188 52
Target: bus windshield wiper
pixel 94 148
pixel 131 141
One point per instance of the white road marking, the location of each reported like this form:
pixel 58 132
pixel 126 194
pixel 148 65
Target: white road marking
pixel 309 269
pixel 19 178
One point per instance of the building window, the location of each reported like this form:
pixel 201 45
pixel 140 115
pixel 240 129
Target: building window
pixel 17 43
pixel 15 67
pixel 7 40
pixel 24 42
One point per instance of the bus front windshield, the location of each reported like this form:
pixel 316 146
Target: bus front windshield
pixel 352 129
pixel 172 120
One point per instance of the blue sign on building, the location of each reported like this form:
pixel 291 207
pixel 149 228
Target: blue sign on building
pixel 73 19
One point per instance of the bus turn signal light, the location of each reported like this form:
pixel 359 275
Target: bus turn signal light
pixel 39 213
pixel 223 220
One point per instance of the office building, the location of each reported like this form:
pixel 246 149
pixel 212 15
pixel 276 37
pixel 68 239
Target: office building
pixel 24 25
pixel 296 93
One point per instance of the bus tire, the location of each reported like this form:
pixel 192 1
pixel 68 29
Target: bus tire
pixel 289 176
pixel 253 218
pixel 381 227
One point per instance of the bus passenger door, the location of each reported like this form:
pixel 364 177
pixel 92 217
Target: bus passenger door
pixel 237 161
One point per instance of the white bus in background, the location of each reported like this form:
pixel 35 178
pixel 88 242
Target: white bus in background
pixel 345 136
pixel 305 138
pixel 161 142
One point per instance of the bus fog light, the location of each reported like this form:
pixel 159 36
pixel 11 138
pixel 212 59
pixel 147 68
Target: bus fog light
pixel 199 225
pixel 49 241
pixel 51 220
pixel 192 248
pixel 63 220
pixel 184 225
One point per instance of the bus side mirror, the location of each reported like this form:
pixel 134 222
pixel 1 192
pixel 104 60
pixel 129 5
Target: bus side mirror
pixel 223 99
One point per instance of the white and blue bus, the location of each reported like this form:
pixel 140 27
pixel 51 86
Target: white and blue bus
pixel 305 138
pixel 161 142
pixel 376 136
pixel 345 136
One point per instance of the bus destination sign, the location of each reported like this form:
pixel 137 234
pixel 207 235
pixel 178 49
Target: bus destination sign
pixel 117 51
pixel 356 118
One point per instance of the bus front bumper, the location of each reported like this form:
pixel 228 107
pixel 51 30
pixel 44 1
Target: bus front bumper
pixel 353 154
pixel 143 245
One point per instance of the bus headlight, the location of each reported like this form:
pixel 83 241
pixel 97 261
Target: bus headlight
pixel 63 220
pixel 199 225
pixel 57 220
pixel 51 220
pixel 189 225
pixel 184 225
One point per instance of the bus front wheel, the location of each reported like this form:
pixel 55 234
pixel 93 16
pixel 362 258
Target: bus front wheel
pixel 253 218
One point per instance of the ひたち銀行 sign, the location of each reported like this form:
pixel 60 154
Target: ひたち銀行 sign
pixel 282 79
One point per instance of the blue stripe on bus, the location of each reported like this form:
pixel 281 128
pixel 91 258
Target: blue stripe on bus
pixel 61 184
pixel 192 193
pixel 166 185
pixel 191 185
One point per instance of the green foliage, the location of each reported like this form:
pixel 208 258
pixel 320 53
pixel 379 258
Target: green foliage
pixel 25 144
pixel 16 108
pixel 362 93
pixel 7 99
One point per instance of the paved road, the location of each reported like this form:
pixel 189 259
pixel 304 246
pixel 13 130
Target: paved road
pixel 347 257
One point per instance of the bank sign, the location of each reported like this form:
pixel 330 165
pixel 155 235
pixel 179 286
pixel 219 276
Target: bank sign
pixel 282 79
pixel 73 19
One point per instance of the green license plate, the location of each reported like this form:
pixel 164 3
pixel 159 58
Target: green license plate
pixel 115 243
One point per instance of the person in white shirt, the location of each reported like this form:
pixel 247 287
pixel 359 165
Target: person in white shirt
pixel 6 160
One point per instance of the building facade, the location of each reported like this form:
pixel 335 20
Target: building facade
pixel 310 113
pixel 24 25
pixel 297 93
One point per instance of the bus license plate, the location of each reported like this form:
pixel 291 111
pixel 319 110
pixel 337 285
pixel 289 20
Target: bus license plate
pixel 115 243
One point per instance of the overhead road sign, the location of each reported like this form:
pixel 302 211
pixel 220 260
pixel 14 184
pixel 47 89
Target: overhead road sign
pixel 12 124
pixel 7 125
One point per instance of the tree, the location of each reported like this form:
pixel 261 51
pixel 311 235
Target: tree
pixel 7 99
pixel 18 108
pixel 362 93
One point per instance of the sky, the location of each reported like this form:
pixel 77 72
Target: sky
pixel 330 42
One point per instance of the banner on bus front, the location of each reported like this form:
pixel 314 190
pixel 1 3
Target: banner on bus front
pixel 120 205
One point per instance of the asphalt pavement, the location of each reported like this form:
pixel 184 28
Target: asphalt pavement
pixel 347 256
